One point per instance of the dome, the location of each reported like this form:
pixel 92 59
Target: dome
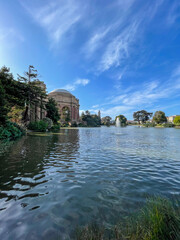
pixel 60 91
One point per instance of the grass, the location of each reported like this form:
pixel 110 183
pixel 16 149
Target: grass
pixel 159 219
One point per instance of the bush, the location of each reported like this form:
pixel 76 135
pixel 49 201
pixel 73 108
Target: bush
pixel 74 124
pixel 149 124
pixel 55 127
pixel 168 125
pixel 10 131
pixel 49 122
pixel 158 220
pixel 177 121
pixel 82 125
pixel 39 126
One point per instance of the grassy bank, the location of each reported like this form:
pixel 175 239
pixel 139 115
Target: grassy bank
pixel 159 219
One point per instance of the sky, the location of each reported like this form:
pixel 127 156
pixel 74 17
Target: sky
pixel 117 56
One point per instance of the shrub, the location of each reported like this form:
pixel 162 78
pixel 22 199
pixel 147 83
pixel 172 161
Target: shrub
pixel 168 125
pixel 55 127
pixel 39 126
pixel 49 122
pixel 149 124
pixel 74 124
pixel 10 131
pixel 177 121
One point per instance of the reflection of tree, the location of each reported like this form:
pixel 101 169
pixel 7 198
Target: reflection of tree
pixel 66 114
pixel 27 161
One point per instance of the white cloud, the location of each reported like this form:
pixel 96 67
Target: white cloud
pixel 10 34
pixel 145 96
pixel 75 84
pixel 118 49
pixel 173 13
pixel 95 42
pixel 56 17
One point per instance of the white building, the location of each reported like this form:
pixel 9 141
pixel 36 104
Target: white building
pixel 171 118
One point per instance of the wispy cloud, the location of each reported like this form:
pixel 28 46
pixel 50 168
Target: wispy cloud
pixel 118 49
pixel 142 96
pixel 10 34
pixel 95 42
pixel 77 83
pixel 56 17
pixel 174 13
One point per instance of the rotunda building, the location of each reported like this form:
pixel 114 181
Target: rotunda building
pixel 67 103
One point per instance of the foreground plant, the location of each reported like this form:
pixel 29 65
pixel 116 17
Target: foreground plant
pixel 158 220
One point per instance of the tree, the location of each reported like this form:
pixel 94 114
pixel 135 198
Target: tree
pixel 52 110
pixel 159 117
pixel 142 116
pixel 99 116
pixel 3 108
pixel 177 120
pixel 33 93
pixel 106 121
pixel 122 119
pixel 91 120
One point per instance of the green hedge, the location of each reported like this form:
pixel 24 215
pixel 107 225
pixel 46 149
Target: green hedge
pixel 39 126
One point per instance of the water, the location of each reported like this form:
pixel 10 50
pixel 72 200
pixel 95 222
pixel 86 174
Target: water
pixel 53 182
pixel 118 123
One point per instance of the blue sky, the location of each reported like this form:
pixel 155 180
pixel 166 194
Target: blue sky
pixel 117 56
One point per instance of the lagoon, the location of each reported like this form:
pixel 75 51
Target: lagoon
pixel 52 183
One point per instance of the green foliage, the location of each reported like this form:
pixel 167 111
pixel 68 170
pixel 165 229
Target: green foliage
pixel 74 124
pixel 106 121
pixel 90 232
pixel 65 114
pixel 168 125
pixel 177 121
pixel 122 119
pixel 159 117
pixel 82 125
pixel 49 122
pixel 52 110
pixel 55 127
pixel 24 92
pixel 158 220
pixel 92 120
pixel 142 116
pixel 149 124
pixel 3 107
pixel 39 126
pixel 10 131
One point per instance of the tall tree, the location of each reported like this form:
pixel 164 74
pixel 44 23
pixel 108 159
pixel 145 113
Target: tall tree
pixel 142 116
pixel 33 93
pixel 52 110
pixel 159 117
pixel 3 106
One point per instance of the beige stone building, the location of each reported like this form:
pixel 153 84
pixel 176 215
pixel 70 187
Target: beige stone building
pixel 171 118
pixel 67 103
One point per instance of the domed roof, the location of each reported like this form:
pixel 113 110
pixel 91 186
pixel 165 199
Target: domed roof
pixel 60 91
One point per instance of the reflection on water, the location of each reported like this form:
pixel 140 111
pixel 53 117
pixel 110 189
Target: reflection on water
pixel 50 183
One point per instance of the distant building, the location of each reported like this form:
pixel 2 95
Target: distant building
pixel 67 103
pixel 171 118
pixel 131 122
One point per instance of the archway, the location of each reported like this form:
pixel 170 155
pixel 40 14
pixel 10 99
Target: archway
pixel 66 114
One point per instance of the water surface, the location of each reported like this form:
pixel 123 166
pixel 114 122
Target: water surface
pixel 50 183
